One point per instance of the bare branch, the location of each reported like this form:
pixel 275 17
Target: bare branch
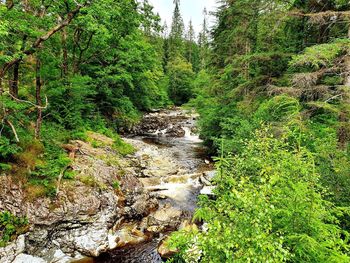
pixel 334 97
pixel 31 103
pixel 13 130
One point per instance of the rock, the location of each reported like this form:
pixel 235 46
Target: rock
pixel 175 131
pixel 128 235
pixel 207 190
pixel 209 175
pixel 164 251
pixel 10 252
pixel 79 220
pixel 90 216
pixel 204 181
pixel 165 219
pixel 58 256
pixel 23 258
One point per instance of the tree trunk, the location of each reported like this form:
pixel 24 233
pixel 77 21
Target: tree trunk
pixel 39 118
pixel 64 53
pixel 1 87
pixel 347 64
pixel 9 4
pixel 14 83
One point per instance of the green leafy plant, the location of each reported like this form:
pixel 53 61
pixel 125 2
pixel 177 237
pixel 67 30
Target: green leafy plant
pixel 11 226
pixel 268 207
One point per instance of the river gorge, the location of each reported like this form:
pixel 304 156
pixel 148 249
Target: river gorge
pixel 91 221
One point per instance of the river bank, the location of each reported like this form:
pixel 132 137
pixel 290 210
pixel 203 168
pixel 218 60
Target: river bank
pixel 157 192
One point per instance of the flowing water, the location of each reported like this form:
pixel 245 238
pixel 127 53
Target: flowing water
pixel 177 161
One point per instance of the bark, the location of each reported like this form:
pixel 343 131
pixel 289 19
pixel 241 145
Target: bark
pixel 39 118
pixel 9 4
pixel 13 130
pixel 77 37
pixel 347 64
pixel 14 82
pixel 64 53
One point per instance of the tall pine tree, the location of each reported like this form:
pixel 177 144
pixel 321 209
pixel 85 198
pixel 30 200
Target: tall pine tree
pixel 176 43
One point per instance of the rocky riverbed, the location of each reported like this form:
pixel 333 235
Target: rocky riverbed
pixel 91 217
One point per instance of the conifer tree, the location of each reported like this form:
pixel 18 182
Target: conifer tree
pixel 176 43
pixel 191 50
pixel 203 41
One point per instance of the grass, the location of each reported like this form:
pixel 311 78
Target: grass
pixel 91 181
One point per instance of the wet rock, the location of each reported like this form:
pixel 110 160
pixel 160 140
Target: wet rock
pixel 128 234
pixel 164 251
pixel 10 252
pixel 204 181
pixel 209 175
pixel 164 219
pixel 208 190
pixel 176 131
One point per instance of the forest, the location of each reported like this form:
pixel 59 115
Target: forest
pixel 270 80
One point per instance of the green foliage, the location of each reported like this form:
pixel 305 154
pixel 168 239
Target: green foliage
pixel 10 227
pixel 279 108
pixel 122 147
pixel 180 80
pixel 116 185
pixel 269 207
pixel 176 43
pixel 7 148
pixel 98 73
pixel 320 55
pixel 5 167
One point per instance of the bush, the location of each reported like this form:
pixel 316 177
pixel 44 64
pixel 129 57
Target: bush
pixel 269 207
pixel 10 227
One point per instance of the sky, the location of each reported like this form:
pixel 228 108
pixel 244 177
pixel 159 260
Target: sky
pixel 190 9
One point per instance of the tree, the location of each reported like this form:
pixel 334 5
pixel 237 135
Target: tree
pixel 191 49
pixel 71 66
pixel 176 44
pixel 203 41
pixel 180 80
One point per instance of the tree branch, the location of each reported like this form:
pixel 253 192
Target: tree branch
pixel 31 103
pixel 43 38
pixel 13 130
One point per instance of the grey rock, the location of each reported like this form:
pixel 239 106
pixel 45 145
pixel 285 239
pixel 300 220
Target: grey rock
pixel 24 258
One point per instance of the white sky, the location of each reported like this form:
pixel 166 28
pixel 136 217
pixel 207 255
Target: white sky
pixel 190 9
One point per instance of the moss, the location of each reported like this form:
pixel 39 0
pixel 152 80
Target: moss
pixel 36 190
pixel 122 147
pixel 116 185
pixel 91 181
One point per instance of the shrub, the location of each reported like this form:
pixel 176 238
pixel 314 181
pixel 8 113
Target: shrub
pixel 10 227
pixel 269 207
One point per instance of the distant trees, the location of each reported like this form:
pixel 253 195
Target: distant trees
pixel 176 37
pixel 182 48
pixel 181 77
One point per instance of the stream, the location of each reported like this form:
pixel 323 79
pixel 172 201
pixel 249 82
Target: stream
pixel 173 161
